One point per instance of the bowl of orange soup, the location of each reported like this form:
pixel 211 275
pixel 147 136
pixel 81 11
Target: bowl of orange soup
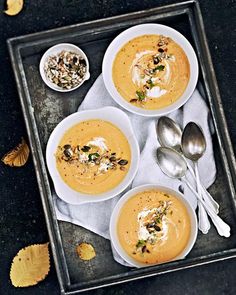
pixel 150 69
pixel 152 224
pixel 92 155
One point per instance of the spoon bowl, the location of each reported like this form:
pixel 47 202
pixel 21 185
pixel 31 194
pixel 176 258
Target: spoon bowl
pixel 193 142
pixel 193 146
pixel 171 162
pixel 169 133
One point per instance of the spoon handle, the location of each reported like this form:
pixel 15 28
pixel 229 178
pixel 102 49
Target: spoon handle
pixel 206 195
pixel 203 221
pixel 222 227
pixel 209 199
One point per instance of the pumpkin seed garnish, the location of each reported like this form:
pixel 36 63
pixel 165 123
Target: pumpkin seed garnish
pixel 85 148
pixel 157 228
pixel 123 162
pixel 112 159
pixel 156 60
pixel 93 157
pixel 68 153
pixel 89 156
pixel 133 100
pixel 122 168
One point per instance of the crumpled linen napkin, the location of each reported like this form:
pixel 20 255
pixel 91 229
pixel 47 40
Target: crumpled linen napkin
pixel 96 216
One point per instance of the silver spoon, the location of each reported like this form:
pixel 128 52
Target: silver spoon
pixel 174 165
pixel 169 134
pixel 194 146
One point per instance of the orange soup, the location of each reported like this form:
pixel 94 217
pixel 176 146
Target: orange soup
pixel 93 156
pixel 153 227
pixel 151 71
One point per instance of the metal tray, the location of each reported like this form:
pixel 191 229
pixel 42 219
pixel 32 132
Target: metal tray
pixel 44 108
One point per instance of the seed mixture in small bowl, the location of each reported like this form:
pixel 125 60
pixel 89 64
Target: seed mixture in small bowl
pixel 64 67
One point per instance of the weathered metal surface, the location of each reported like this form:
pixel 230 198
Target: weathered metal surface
pixel 43 109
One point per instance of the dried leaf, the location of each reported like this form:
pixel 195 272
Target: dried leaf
pixel 14 7
pixel 30 265
pixel 18 156
pixel 86 251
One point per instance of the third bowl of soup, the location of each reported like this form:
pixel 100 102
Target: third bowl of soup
pixel 152 224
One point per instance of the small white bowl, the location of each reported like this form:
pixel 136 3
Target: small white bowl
pixel 116 212
pixel 54 50
pixel 148 29
pixel 110 114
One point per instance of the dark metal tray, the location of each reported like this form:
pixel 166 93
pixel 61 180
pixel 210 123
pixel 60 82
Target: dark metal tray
pixel 44 108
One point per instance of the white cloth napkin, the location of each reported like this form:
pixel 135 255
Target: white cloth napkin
pixel 96 216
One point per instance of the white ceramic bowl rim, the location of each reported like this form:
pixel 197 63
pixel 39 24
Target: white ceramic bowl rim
pixel 55 50
pixel 116 211
pixel 139 30
pixel 110 114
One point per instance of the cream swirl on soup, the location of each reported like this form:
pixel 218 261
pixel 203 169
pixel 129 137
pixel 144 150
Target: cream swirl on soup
pixel 153 227
pixel 151 71
pixel 93 156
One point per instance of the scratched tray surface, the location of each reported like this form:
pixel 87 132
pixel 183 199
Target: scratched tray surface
pixel 51 107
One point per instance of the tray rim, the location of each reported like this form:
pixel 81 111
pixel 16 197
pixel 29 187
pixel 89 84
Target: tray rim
pixel 15 45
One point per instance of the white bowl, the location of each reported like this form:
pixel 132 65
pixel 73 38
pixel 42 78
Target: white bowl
pixel 147 29
pixel 116 212
pixel 54 50
pixel 110 114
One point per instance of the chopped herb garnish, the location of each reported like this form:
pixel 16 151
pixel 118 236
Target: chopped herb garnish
pixel 92 157
pixel 159 68
pixel 141 243
pixel 150 83
pixel 86 148
pixel 158 220
pixel 141 95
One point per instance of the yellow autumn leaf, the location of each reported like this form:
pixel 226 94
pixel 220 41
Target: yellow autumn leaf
pixel 86 251
pixel 18 156
pixel 14 7
pixel 30 266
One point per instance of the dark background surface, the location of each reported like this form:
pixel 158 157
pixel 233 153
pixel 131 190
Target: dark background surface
pixel 21 215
